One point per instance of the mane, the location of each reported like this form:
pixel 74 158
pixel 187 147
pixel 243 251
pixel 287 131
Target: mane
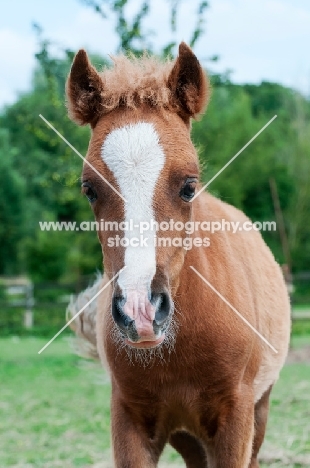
pixel 134 81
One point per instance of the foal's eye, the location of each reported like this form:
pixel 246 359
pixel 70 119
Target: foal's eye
pixel 188 190
pixel 89 191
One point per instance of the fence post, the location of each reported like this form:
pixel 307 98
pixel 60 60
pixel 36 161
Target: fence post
pixel 28 315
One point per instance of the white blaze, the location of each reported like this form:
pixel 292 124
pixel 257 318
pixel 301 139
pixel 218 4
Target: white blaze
pixel 134 155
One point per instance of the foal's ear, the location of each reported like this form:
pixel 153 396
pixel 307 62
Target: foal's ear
pixel 83 89
pixel 188 83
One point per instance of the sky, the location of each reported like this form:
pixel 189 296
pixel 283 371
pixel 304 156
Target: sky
pixel 255 39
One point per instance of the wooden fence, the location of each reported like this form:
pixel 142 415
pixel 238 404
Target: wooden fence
pixel 45 303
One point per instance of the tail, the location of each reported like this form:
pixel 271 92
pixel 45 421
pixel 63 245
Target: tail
pixel 84 324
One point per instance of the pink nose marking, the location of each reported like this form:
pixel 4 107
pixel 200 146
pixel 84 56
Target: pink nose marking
pixel 139 308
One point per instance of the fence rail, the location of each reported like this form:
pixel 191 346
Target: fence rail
pixel 27 308
pixel 301 315
pixel 40 308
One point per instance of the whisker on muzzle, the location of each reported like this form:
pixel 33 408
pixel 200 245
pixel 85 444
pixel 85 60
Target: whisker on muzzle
pixel 147 356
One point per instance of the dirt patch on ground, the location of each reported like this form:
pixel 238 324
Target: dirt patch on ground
pixel 299 355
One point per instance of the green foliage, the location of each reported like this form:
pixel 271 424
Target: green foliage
pixel 42 180
pixel 50 299
pixel 198 31
pixel 235 115
pixel 47 255
pixel 47 321
pixel 131 32
pixel 41 173
pixel 12 204
pixel 301 328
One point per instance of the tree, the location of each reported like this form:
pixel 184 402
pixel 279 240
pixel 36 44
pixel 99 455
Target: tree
pixel 230 122
pixel 12 207
pixel 50 173
pixel 131 32
pixel 41 174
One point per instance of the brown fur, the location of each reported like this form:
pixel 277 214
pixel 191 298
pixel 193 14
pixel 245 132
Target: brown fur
pixel 206 391
pixel 132 82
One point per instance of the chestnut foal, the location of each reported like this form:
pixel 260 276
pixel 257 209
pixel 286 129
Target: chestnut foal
pixel 185 369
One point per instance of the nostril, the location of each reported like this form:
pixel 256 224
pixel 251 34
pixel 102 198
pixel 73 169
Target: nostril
pixel 163 307
pixel 120 318
pixel 127 320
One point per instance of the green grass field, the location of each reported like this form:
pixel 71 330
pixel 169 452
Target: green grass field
pixel 54 410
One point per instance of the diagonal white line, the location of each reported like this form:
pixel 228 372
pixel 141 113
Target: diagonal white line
pixel 235 310
pixel 82 157
pixel 233 158
pixel 80 311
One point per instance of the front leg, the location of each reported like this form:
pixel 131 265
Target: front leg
pixel 135 444
pixel 231 446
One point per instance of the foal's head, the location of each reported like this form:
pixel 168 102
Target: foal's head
pixel 140 112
